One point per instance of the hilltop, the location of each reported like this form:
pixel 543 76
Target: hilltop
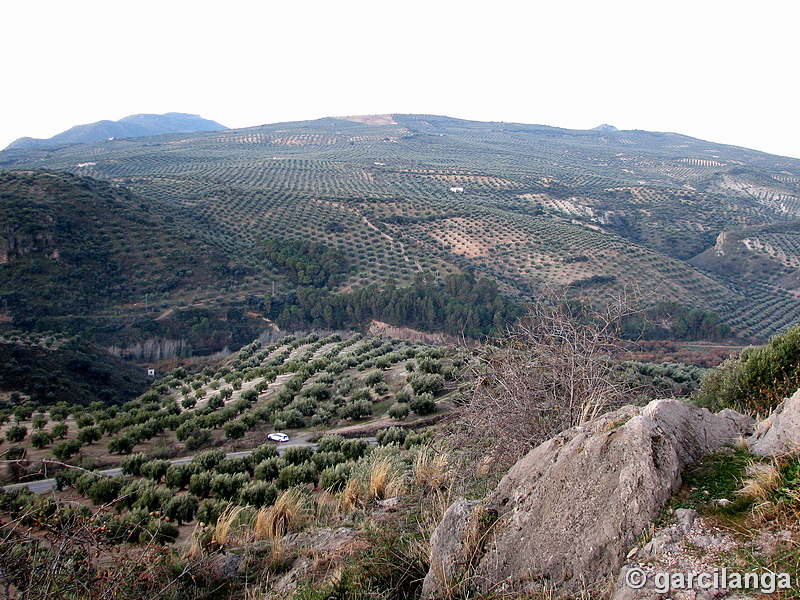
pixel 127 127
pixel 501 211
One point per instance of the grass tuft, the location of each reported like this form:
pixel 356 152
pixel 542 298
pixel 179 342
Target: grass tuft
pixel 352 497
pixel 431 469
pixel 224 526
pixel 288 513
pixel 763 480
pixel 385 479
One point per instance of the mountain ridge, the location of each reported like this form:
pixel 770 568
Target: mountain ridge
pixel 138 125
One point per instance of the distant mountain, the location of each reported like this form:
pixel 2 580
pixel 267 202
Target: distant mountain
pixel 128 127
pixel 605 127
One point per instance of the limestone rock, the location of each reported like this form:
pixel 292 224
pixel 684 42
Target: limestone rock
pixel 698 430
pixel 673 549
pixel 449 556
pixel 312 555
pixel 570 510
pixel 779 434
pixel 684 520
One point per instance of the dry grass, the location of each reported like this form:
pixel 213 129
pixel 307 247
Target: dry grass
pixel 352 497
pixel 289 512
pixel 328 507
pixel 763 480
pixel 196 549
pixel 431 512
pixel 431 469
pixel 225 525
pixel 386 479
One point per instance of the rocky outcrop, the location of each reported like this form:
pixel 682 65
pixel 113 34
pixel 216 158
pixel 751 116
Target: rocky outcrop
pixel 674 549
pixel 779 434
pixel 312 556
pixel 566 515
pixel 453 552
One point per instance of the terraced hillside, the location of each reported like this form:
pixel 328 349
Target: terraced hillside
pixel 300 385
pixel 526 206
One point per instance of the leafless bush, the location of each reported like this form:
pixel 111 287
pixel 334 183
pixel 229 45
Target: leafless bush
pixel 554 370
pixel 57 550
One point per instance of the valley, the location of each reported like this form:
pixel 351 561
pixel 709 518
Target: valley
pixel 273 362
pixel 540 207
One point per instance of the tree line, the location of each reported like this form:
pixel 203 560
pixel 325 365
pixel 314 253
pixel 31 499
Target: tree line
pixel 458 304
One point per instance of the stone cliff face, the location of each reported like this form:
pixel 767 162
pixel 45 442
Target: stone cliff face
pixel 20 244
pixel 566 515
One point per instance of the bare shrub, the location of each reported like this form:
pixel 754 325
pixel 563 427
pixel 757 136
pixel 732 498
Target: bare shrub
pixel 554 370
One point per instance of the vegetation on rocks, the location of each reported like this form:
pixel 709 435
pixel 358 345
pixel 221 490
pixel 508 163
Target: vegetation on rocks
pixel 758 378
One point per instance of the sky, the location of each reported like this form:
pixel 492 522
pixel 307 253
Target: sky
pixel 724 71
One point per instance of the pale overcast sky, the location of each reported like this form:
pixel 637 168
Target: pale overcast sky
pixel 725 71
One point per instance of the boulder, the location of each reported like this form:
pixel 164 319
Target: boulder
pixel 779 434
pixel 450 551
pixel 698 431
pixel 566 515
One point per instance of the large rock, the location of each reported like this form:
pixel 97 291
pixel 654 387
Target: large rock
pixel 697 431
pixel 565 516
pixel 779 434
pixel 453 551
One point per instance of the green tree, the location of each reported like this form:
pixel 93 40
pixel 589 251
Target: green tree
pixel 760 378
pixel 226 486
pixel 356 410
pixel 132 465
pixel 200 484
pixel 104 490
pixel 84 420
pixel 399 410
pixel 16 433
pixel 40 439
pixel 423 404
pixel 258 494
pixel 177 477
pixel 155 469
pixel 235 430
pixel 88 435
pixel 181 509
pixel 123 444
pixel 60 430
pixel 66 449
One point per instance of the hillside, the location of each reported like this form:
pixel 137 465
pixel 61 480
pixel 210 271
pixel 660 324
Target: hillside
pixel 324 513
pixel 127 127
pixel 50 369
pixel 417 197
pixel 88 257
